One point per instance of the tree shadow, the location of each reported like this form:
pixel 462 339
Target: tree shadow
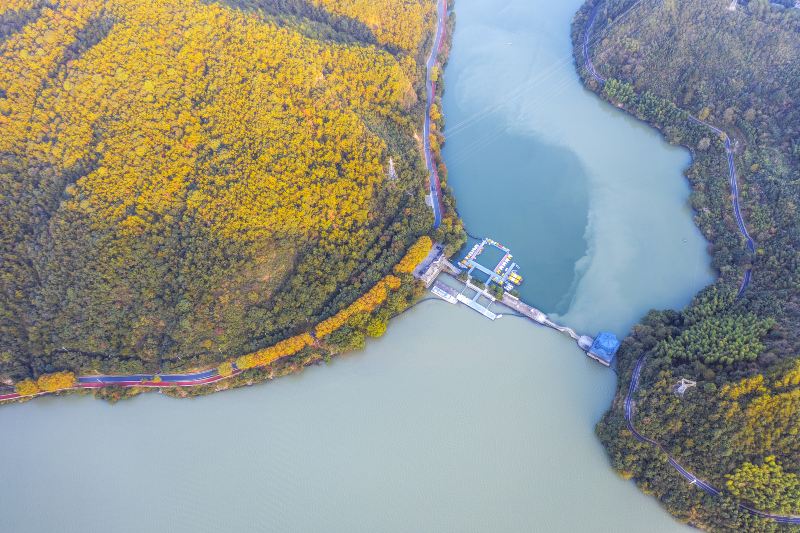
pixel 14 20
pixel 322 24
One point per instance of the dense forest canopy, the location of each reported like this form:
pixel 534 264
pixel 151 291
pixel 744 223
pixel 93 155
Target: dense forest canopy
pixel 396 23
pixel 736 66
pixel 183 182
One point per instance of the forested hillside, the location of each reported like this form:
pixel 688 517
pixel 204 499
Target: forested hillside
pixel 183 181
pixel 736 67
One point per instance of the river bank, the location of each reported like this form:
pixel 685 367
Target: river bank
pixel 677 464
pixel 305 349
pixel 443 424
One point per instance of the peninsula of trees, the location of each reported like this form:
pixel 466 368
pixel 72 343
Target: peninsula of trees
pixel 735 66
pixel 187 182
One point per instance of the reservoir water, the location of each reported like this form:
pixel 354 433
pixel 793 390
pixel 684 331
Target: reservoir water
pixel 450 422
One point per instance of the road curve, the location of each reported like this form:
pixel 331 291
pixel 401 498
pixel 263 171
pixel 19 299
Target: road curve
pixel 637 370
pixel 729 151
pixel 587 58
pixel 734 182
pixel 689 476
pixel 434 186
pixel 210 376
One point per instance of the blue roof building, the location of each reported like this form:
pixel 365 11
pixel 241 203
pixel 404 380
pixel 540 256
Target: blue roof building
pixel 604 347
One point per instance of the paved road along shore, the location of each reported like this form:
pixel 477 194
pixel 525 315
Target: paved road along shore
pixel 637 370
pixel 430 89
pixel 210 376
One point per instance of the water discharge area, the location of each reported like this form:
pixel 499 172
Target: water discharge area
pixel 490 264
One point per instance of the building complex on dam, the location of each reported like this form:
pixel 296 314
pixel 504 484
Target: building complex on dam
pixel 487 277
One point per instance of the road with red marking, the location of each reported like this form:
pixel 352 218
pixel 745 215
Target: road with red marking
pixel 138 380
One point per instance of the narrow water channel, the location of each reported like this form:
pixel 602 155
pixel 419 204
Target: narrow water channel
pixel 450 422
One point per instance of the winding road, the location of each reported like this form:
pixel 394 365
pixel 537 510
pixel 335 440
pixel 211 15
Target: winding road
pixel 637 370
pixel 211 376
pixel 587 58
pixel 729 146
pixel 430 89
pixel 138 380
pixel 688 475
pixel 737 213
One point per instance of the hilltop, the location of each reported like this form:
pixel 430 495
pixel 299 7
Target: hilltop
pixel 186 182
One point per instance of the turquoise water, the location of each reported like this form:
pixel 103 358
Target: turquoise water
pixel 450 422
pixel 592 203
pixel 490 257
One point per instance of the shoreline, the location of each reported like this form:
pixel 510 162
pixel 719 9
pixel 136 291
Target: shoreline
pixel 624 399
pixel 204 381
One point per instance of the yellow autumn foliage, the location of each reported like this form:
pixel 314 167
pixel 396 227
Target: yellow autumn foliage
pixel 791 378
pixel 398 23
pixel 392 282
pixel 15 5
pixel 271 354
pixel 56 381
pixel 150 89
pixel 197 171
pixel 747 386
pixel 771 419
pixel 367 303
pixel 418 251
pixel 26 387
pixel 225 369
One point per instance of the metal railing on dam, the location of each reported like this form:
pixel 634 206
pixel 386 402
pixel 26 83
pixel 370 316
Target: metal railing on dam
pixel 454 296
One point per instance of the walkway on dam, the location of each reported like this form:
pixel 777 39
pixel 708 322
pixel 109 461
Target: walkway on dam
pixel 454 296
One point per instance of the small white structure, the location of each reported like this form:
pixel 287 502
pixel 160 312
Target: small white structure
pixel 732 7
pixel 473 304
pixel 442 292
pixel 392 171
pixel 684 384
